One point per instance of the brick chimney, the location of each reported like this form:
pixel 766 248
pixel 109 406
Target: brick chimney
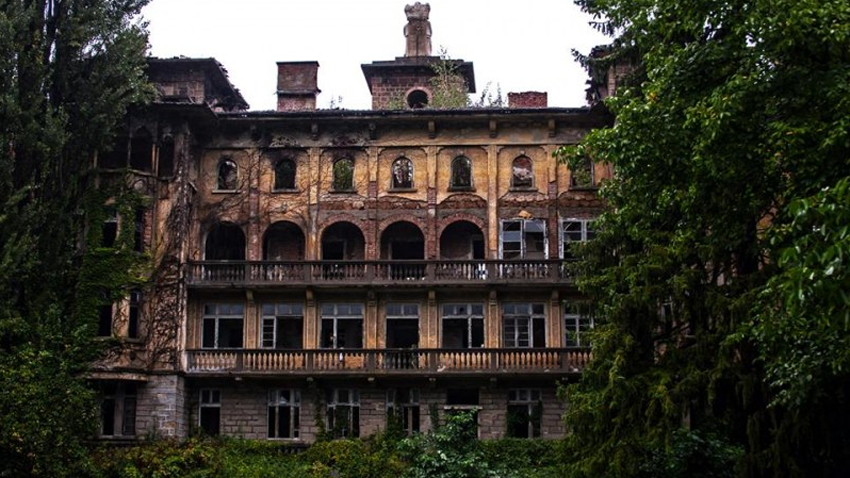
pixel 297 85
pixel 528 99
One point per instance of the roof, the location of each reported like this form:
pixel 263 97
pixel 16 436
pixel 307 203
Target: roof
pixel 419 64
pixel 213 70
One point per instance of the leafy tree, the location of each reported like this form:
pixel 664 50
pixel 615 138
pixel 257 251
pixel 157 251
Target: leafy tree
pixel 69 70
pixel 721 290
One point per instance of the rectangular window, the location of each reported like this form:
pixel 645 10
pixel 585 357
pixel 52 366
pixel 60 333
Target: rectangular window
pixel 134 312
pixel 524 411
pixel 209 413
pixel 139 231
pixel 110 228
pixel 343 413
pixel 104 320
pixel 283 326
pixel 222 326
pixel 402 325
pixel 463 326
pixel 117 409
pixel 524 324
pixel 524 239
pixel 464 400
pixel 403 409
pixel 577 321
pixel 284 413
pixel 575 230
pixel 342 326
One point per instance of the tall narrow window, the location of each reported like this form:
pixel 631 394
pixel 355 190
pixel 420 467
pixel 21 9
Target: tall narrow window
pixel 573 231
pixel 284 414
pixel 402 174
pixel 141 150
pixel 209 413
pixel 165 168
pixel 109 232
pixel 134 313
pixel 522 173
pixel 403 409
pixel 463 326
pixel 461 173
pixel 343 413
pixel 222 326
pixel 581 176
pixel 343 174
pixel 524 325
pixel 342 326
pixel 105 313
pixel 283 326
pixel 524 239
pixel 228 175
pixel 117 409
pixel 524 411
pixel 577 322
pixel 284 175
pixel 139 230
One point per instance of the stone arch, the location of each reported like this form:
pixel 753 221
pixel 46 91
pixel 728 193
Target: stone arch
pixel 283 241
pixel 462 237
pixel 342 240
pixel 224 241
pixel 402 240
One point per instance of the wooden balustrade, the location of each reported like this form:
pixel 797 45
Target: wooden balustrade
pixel 396 361
pixel 376 272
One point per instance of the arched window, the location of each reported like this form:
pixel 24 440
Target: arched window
pixel 522 173
pixel 343 171
pixel 461 173
pixel 284 174
pixel 417 99
pixel 228 174
pixel 402 174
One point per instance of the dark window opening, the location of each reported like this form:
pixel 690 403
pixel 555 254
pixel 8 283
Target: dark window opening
pixel 139 230
pixel 165 168
pixel 284 414
pixel 461 173
pixel 402 326
pixel 578 320
pixel 343 175
pixel 343 241
pixel 403 241
pixel 283 326
pixel 463 326
pixel 222 326
pixel 524 325
pixel 417 99
pixel 141 150
pixel 225 242
pixel 117 409
pixel 342 326
pixel 403 409
pixel 104 323
pixel 228 176
pixel 283 241
pixel 209 416
pixel 343 413
pixel 525 409
pixel 134 313
pixel 582 175
pixel 109 233
pixel 284 174
pixel 402 171
pixel 522 173
pixel 116 156
pixel 462 240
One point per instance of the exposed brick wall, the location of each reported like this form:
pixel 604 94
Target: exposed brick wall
pixel 528 99
pixel 297 85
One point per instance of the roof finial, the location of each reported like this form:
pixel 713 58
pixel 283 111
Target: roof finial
pixel 417 32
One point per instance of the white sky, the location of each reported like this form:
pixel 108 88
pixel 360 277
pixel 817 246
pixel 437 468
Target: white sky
pixel 522 45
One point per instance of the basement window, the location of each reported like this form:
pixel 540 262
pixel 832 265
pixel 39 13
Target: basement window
pixel 403 409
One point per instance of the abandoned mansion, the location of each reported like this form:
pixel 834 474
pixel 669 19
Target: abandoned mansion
pixel 332 272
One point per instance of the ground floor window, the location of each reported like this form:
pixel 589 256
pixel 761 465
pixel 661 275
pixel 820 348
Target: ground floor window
pixel 343 413
pixel 464 401
pixel 284 413
pixel 117 409
pixel 524 411
pixel 209 414
pixel 403 409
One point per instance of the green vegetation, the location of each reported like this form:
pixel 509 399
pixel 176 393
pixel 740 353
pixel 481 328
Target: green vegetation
pixel 68 73
pixel 719 273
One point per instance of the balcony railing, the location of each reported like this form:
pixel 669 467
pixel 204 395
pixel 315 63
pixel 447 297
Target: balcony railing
pixel 400 362
pixel 377 272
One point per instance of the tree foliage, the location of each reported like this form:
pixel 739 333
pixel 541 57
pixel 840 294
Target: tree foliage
pixel 69 70
pixel 719 272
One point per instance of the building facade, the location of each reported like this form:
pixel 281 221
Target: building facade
pixel 338 271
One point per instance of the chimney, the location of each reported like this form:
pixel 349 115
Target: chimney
pixel 297 85
pixel 528 99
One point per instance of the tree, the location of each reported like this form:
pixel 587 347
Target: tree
pixel 69 71
pixel 735 112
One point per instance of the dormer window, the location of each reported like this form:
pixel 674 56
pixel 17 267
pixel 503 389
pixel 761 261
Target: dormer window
pixel 228 175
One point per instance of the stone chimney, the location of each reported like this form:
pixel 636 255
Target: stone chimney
pixel 297 85
pixel 528 99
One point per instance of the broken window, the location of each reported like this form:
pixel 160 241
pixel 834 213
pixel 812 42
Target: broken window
pixel 524 239
pixel 222 326
pixel 403 409
pixel 573 231
pixel 117 409
pixel 141 150
pixel 524 325
pixel 525 409
pixel 342 326
pixel 134 314
pixel 225 242
pixel 417 99
pixel 165 168
pixel 228 175
pixel 402 325
pixel 284 413
pixel 402 174
pixel 463 326
pixel 343 413
pixel 283 326
pixel 581 176
pixel 343 175
pixel 578 320
pixel 284 175
pixel 522 173
pixel 209 412
pixel 461 173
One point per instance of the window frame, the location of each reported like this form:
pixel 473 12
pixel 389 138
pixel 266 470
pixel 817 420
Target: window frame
pixel 212 402
pixel 124 404
pixel 295 312
pixel 335 187
pixel 276 169
pixel 404 314
pixel 531 401
pixel 407 412
pixel 394 186
pixel 587 232
pixel 533 320
pixel 220 180
pixel 217 317
pixel 352 407
pixel 134 313
pixel 336 317
pixel 577 319
pixel 278 405
pixel 453 186
pixel 515 186
pixel 470 316
pixel 592 179
pixel 523 241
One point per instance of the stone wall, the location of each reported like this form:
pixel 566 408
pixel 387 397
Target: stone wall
pixel 161 408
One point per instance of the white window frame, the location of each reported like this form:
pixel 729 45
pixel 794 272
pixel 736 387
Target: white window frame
pixel 522 232
pixel 587 232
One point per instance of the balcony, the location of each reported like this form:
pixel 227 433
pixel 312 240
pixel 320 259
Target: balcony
pixel 382 272
pixel 360 362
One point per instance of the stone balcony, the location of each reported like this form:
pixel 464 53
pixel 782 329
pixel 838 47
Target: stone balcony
pixel 381 272
pixel 388 362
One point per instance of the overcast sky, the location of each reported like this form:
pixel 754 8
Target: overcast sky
pixel 521 45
